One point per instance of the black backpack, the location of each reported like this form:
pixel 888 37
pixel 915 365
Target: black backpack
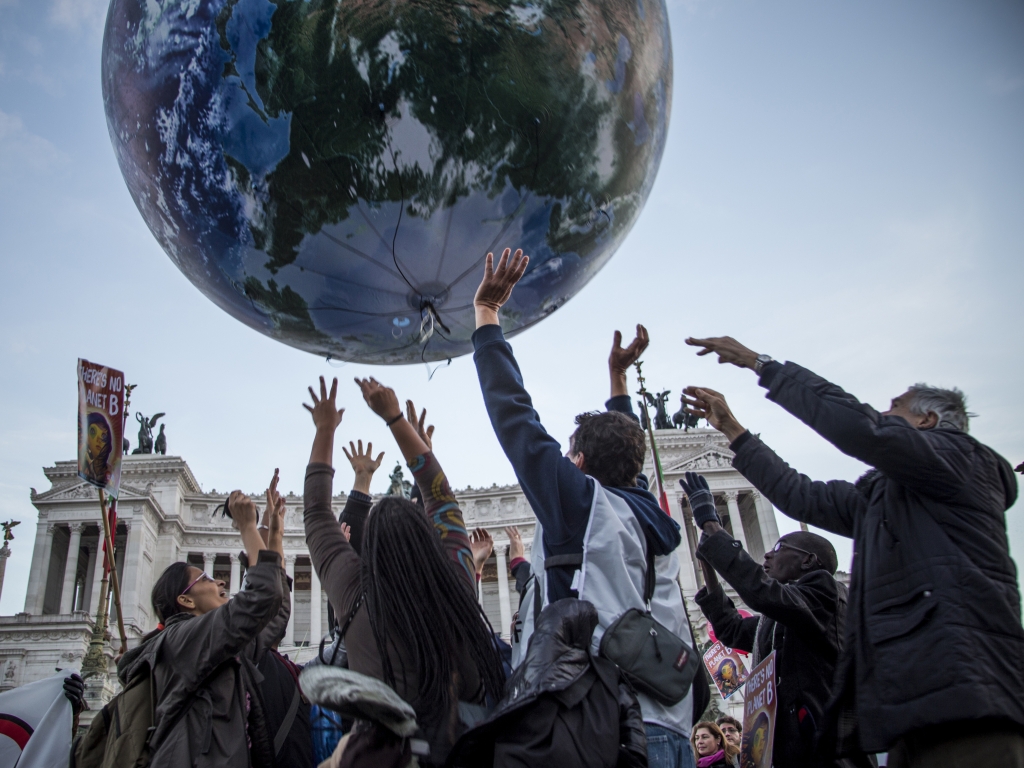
pixel 592 719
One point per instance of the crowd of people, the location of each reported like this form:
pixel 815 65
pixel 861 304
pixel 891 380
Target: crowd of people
pixel 921 658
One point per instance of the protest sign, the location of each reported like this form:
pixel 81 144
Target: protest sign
pixel 759 702
pixel 726 669
pixel 100 425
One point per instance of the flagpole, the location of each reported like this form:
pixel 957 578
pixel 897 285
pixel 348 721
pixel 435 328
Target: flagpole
pixel 659 475
pixel 116 587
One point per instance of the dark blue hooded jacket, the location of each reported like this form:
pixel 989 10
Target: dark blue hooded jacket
pixel 560 494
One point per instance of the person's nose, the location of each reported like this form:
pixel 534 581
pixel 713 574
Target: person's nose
pixel 221 584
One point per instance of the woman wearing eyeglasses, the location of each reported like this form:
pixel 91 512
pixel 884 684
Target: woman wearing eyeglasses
pixel 208 709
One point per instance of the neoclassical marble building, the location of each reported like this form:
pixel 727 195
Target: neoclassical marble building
pixel 164 516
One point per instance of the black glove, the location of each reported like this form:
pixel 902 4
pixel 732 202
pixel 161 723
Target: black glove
pixel 74 689
pixel 701 501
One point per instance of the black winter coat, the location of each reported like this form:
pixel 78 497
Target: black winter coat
pixel 933 631
pixel 803 624
pixel 562 707
pixel 204 672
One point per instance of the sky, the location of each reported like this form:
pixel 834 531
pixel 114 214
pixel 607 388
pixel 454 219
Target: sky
pixel 843 187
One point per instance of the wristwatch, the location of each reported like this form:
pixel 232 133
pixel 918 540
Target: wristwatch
pixel 761 362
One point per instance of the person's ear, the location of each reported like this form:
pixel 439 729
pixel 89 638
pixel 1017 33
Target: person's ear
pixel 186 602
pixel 929 421
pixel 580 461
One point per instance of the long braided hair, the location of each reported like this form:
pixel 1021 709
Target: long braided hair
pixel 419 604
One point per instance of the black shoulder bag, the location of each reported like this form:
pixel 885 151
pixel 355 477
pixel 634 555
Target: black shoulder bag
pixel 654 659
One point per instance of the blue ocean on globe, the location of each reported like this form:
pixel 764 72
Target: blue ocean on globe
pixel 333 173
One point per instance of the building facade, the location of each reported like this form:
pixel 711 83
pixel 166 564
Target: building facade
pixel 163 516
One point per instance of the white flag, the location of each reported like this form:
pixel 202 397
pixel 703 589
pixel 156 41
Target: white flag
pixel 35 725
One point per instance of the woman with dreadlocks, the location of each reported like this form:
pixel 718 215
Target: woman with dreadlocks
pixel 409 597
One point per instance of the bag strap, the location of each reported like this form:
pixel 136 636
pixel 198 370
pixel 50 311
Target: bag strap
pixel 650 576
pixel 341 632
pixel 561 561
pixel 286 724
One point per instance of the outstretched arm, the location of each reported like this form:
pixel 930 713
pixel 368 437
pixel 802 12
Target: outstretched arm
pixel 274 515
pixel 336 563
pixel 439 502
pixel 358 504
pixel 832 506
pixel 557 491
pixel 930 461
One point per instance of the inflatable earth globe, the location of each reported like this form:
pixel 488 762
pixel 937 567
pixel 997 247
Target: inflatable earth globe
pixel 333 172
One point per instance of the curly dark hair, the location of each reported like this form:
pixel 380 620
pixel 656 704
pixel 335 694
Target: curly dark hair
pixel 612 445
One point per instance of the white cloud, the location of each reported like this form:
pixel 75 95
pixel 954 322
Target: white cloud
pixel 79 14
pixel 20 149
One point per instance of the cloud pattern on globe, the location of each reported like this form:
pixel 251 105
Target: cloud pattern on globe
pixel 333 173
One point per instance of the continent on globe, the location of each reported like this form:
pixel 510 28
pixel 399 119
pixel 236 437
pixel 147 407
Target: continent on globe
pixel 332 173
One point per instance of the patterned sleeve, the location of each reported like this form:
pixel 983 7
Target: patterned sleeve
pixel 443 510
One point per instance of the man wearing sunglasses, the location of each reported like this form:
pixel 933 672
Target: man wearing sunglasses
pixel 800 609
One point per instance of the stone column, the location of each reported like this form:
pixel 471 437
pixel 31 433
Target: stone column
pixel 90 575
pixel 40 568
pixel 5 552
pixel 480 591
pixel 67 595
pixel 503 600
pixel 766 517
pixel 316 630
pixel 289 568
pixel 208 558
pixel 236 575
pixel 130 571
pixel 37 570
pixel 731 500
pixel 97 574
pixel 687 560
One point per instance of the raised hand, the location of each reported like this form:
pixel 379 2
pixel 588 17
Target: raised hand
pixel 709 404
pixel 362 461
pixel 427 434
pixel 324 409
pixel 273 516
pixel 515 543
pixel 363 464
pixel 346 531
pixel 497 284
pixel 728 350
pixel 622 357
pixel 382 400
pixel 242 510
pixel 481 544
pixel 702 501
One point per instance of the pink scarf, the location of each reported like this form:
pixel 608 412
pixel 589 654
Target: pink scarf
pixel 704 762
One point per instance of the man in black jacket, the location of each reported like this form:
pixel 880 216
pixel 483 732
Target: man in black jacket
pixel 932 667
pixel 802 609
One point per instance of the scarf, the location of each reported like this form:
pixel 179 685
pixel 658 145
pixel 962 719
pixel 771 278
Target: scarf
pixel 704 762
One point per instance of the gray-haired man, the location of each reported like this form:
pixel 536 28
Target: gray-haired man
pixel 933 665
